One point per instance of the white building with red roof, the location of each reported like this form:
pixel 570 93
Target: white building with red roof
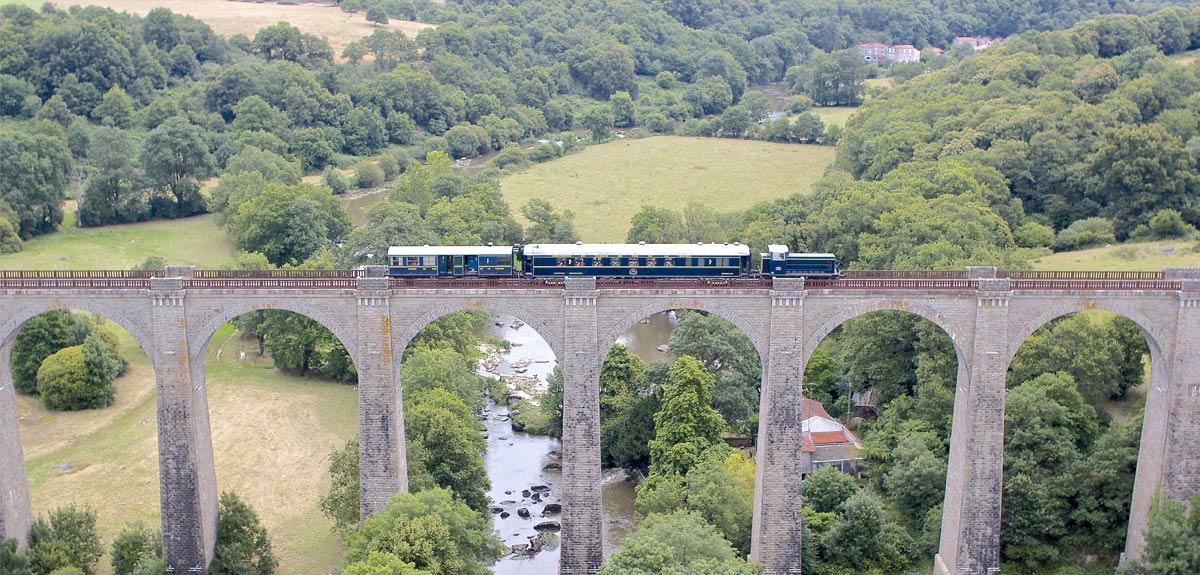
pixel 879 52
pixel 825 441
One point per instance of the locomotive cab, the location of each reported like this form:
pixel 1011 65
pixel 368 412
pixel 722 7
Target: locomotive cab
pixel 778 261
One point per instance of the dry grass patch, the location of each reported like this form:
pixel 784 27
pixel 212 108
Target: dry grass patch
pixel 606 184
pixel 228 17
pixel 271 438
pixel 1141 257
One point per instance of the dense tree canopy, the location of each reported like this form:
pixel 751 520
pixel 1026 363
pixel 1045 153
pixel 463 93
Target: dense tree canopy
pixel 432 530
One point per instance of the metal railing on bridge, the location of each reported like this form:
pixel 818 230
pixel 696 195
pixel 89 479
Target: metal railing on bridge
pixel 349 279
pixel 1048 275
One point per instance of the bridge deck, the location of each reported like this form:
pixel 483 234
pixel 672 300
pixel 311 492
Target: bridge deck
pixel 348 279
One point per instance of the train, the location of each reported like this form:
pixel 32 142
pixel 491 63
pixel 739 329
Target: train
pixel 640 260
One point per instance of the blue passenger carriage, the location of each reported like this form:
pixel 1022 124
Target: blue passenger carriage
pixel 778 261
pixel 636 260
pixel 452 261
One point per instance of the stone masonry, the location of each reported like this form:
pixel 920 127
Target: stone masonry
pixel 174 319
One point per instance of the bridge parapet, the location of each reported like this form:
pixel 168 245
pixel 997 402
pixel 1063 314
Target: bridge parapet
pixel 374 271
pixel 166 284
pixel 1181 273
pixel 181 271
pixel 981 271
pixel 995 284
pixel 372 283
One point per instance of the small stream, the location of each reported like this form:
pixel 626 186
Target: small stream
pixel 517 462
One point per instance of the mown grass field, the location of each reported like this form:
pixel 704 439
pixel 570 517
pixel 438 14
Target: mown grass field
pixel 227 17
pixel 1146 256
pixel 835 115
pixel 191 241
pixel 606 185
pixel 271 438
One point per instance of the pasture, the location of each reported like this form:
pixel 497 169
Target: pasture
pixel 835 114
pixel 605 185
pixel 227 17
pixel 271 438
pixel 190 241
pixel 1145 256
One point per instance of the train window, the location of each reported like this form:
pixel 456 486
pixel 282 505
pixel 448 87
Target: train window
pixel 651 261
pixel 668 262
pixel 504 260
pixel 412 260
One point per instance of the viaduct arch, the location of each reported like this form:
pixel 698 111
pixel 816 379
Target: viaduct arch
pixel 986 316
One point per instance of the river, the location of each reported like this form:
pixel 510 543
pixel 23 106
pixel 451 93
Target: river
pixel 517 462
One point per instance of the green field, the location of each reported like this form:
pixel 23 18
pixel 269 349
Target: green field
pixel 835 115
pixel 271 438
pixel 191 241
pixel 1147 256
pixel 606 184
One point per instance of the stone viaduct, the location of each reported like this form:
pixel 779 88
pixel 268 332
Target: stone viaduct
pixel 987 314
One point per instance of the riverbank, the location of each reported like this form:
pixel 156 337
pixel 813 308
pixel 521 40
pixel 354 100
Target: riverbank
pixel 524 468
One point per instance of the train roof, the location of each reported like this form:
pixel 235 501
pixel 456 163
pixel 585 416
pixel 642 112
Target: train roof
pixel 685 250
pixel 808 255
pixel 450 250
pixel 783 249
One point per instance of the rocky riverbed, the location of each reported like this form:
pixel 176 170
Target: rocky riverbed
pixel 526 470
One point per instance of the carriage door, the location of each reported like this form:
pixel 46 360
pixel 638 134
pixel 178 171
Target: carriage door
pixel 472 265
pixel 458 266
pixel 443 266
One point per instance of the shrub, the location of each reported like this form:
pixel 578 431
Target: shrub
pixel 1085 234
pixel 659 123
pixel 152 263
pixel 1034 235
pixel 1168 223
pixel 38 339
pixel 389 166
pixel 81 377
pixel 336 181
pixel 62 379
pixel 243 547
pixel 403 159
pixel 798 104
pixel 368 175
pixel 67 538
pixel 340 503
pixel 665 80
pixel 134 548
pixel 511 155
pixel 13 559
pixel 543 152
